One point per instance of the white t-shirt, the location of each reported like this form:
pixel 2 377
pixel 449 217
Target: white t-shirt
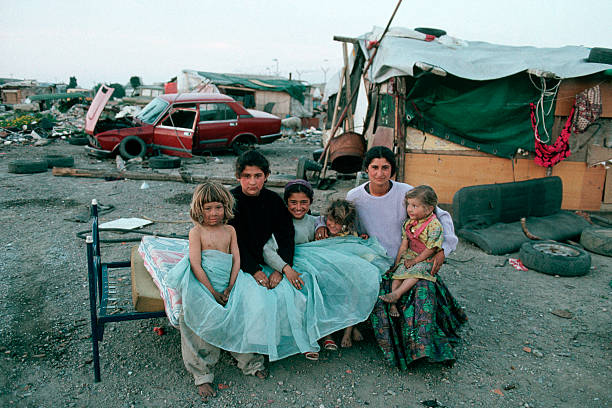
pixel 382 217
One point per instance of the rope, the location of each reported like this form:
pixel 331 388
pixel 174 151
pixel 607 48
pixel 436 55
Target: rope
pixel 544 93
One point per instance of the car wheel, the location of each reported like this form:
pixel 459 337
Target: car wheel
pixel 58 160
pixel 163 162
pixel 600 55
pixel 78 140
pixel 132 147
pixel 597 240
pixel 554 258
pixel 27 166
pixel 240 146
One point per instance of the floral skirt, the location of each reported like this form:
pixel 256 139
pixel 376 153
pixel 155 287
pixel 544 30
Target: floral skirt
pixel 427 326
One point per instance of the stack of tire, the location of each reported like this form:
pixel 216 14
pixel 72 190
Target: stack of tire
pixel 31 166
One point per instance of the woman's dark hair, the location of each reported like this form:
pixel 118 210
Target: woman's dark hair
pixel 423 193
pixel 252 158
pixel 298 186
pixel 380 152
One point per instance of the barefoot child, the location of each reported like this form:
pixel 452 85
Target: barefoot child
pixel 211 237
pixel 340 219
pixel 421 239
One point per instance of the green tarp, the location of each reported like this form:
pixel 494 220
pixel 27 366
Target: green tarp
pixel 56 96
pixel 294 88
pixel 490 116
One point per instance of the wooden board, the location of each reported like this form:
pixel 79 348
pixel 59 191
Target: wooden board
pixel 582 185
pixel 145 294
pixel 608 189
pixel 570 87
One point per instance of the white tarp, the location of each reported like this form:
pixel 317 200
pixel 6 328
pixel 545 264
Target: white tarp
pixel 402 48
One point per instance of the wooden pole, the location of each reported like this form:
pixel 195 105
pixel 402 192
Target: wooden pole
pixel 133 175
pixel 349 117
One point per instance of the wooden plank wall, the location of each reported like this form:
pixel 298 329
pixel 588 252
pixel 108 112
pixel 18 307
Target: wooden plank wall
pixel 570 87
pixel 583 186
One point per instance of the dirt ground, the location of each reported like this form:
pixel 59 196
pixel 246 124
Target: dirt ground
pixel 45 348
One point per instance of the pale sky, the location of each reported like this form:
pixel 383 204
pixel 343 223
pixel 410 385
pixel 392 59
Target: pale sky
pixel 110 41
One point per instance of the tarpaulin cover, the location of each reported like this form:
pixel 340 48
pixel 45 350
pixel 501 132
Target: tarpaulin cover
pixel 294 88
pixel 490 116
pixel 402 48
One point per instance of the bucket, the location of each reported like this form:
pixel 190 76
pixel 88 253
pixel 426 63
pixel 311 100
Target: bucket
pixel 346 152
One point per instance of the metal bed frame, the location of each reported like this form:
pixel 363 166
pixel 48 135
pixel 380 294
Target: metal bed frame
pixel 101 288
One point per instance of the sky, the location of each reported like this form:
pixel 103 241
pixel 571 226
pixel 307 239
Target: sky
pixel 110 41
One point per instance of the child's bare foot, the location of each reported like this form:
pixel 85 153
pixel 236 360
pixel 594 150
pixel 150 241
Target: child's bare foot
pixel 393 312
pixel 206 390
pixel 357 334
pixel 261 374
pixel 346 338
pixel 389 297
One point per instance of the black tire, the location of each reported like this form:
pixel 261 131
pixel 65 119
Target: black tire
pixel 600 55
pixel 58 160
pixel 436 32
pixel 554 258
pixel 241 145
pixel 317 153
pixel 78 140
pixel 164 162
pixel 27 166
pixel 597 240
pixel 132 147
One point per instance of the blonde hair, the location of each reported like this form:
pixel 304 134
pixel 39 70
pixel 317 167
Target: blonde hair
pixel 210 192
pixel 344 213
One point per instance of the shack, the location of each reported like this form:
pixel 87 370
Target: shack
pixel 281 97
pixel 15 92
pixel 460 113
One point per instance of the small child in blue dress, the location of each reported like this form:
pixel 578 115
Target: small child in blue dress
pixel 211 208
pixel 422 237
pixel 340 219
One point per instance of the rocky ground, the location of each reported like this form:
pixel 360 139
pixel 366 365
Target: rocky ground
pixel 514 352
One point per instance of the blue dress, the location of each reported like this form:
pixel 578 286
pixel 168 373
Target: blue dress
pixel 341 276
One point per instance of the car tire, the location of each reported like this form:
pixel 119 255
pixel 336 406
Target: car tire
pixel 436 32
pixel 554 258
pixel 132 147
pixel 164 162
pixel 317 153
pixel 300 173
pixel 78 140
pixel 27 166
pixel 58 160
pixel 597 240
pixel 241 145
pixel 600 55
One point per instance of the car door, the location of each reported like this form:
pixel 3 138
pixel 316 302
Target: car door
pixel 217 125
pixel 175 132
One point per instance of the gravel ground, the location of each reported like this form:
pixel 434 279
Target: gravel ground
pixel 45 348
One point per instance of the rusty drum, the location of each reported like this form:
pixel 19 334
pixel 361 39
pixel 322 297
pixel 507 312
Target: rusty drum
pixel 346 152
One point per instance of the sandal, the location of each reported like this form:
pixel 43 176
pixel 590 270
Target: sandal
pixel 312 356
pixel 330 345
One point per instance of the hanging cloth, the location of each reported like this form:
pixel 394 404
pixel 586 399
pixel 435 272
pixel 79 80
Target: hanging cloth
pixel 549 155
pixel 588 109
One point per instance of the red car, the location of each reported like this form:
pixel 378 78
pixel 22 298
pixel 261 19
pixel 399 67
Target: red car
pixel 179 125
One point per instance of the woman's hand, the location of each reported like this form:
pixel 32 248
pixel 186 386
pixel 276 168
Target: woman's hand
pixel 275 279
pixel 261 279
pixel 293 277
pixel 219 297
pixel 438 260
pixel 321 233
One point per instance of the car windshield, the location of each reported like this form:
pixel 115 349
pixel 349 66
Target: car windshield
pixel 152 111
